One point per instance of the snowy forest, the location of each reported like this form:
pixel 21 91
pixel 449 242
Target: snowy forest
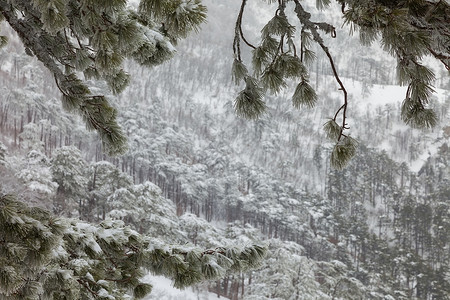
pixel 199 177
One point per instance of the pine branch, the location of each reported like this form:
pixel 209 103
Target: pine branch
pixel 87 287
pixel 238 33
pixel 445 59
pixel 98 260
pixel 304 18
pixel 35 39
pixel 241 13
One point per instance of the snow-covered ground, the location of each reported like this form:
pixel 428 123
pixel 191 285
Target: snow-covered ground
pixel 164 290
pixel 375 96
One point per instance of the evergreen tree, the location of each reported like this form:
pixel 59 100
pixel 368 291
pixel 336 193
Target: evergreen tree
pixel 45 257
pixel 143 207
pixel 35 173
pixel 3 151
pixel 285 274
pixel 104 180
pixel 69 172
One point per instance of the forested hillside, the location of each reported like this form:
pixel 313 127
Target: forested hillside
pixel 197 173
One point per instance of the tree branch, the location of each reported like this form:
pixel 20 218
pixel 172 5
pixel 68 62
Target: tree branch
pixel 241 13
pixel 36 39
pixel 445 59
pixel 238 33
pixel 304 18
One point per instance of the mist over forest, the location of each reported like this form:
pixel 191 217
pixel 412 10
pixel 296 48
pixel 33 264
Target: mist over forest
pixel 196 173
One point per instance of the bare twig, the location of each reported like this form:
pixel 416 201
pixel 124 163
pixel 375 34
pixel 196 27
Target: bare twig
pixel 238 33
pixel 445 59
pixel 241 13
pixel 86 285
